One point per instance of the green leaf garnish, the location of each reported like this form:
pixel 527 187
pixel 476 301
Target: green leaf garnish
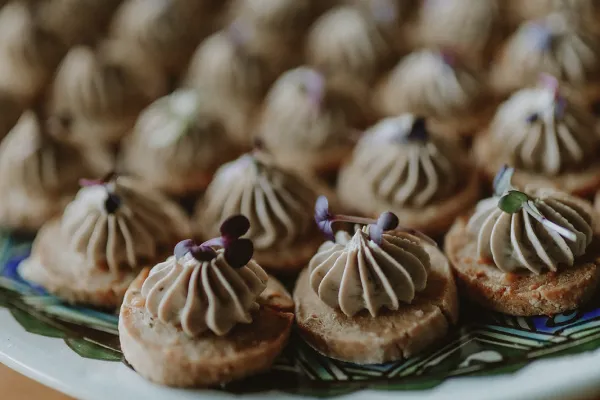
pixel 513 201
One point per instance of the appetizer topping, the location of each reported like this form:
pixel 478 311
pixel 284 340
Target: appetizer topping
pixel 303 112
pixel 538 131
pixel 433 83
pixel 237 251
pixel 203 289
pixel 387 221
pixel 348 41
pixel 403 165
pixel 277 202
pixel 117 223
pixel 380 266
pixel 538 230
pixel 554 45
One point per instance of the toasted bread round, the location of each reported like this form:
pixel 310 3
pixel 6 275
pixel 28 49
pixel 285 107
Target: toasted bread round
pixel 164 354
pixel 583 182
pixel 392 335
pixel 432 219
pixel 521 294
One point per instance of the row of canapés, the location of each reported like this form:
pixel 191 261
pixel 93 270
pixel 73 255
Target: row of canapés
pixel 91 76
pixel 206 312
pixel 405 164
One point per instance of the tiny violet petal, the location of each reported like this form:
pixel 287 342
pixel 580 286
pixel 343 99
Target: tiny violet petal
pixel 203 253
pixel 388 221
pixel 183 247
pixel 235 227
pixel 376 233
pixel 327 229
pixel 239 253
pixel 322 210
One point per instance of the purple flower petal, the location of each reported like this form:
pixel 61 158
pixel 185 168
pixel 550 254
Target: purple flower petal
pixel 239 253
pixel 183 247
pixel 235 227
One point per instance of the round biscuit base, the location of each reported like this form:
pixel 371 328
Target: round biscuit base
pixel 164 354
pixel 519 294
pixel 392 335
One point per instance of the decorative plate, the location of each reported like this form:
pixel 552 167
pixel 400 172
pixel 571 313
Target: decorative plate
pixel 76 350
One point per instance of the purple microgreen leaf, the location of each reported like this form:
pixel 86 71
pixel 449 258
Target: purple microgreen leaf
pixel 203 253
pixel 235 227
pixel 322 213
pixel 183 247
pixel 376 233
pixel 502 180
pixel 388 221
pixel 325 219
pixel 112 203
pixel 327 229
pixel 239 252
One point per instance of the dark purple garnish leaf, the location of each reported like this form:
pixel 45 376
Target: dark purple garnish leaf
pixel 239 252
pixel 323 216
pixel 376 233
pixel 183 247
pixel 203 253
pixel 322 209
pixel 112 203
pixel 235 227
pixel 388 221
